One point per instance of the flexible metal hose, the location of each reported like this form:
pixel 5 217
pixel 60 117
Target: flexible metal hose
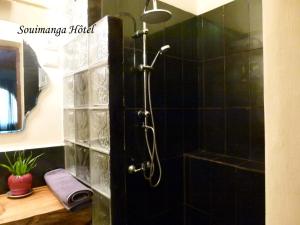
pixel 153 152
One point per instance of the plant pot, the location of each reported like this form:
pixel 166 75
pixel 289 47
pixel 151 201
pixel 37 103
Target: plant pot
pixel 20 185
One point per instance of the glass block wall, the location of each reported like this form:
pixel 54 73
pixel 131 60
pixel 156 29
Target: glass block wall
pixel 87 63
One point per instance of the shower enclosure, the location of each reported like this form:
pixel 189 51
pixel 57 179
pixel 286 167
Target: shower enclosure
pixel 207 103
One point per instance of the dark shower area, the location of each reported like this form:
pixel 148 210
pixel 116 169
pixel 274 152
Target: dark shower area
pixel 207 94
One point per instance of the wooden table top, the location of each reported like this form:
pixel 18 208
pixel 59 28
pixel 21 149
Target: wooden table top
pixel 42 201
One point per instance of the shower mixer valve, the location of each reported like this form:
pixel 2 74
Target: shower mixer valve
pixel 143 113
pixel 132 168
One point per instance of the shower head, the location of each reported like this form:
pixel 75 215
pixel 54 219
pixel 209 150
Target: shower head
pixel 164 48
pixel 160 52
pixel 155 15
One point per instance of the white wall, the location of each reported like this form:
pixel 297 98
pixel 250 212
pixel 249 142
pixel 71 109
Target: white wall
pixel 44 125
pixel 281 24
pixel 197 7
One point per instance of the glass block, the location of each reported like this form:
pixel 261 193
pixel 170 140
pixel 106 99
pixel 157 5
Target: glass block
pixel 81 89
pixel 69 124
pixel 70 157
pixel 101 210
pixel 99 86
pixel 69 91
pixel 81 52
pixel 82 126
pixel 100 175
pixel 69 57
pixel 83 163
pixel 98 43
pixel 99 130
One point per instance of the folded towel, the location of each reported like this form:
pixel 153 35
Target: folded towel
pixel 71 193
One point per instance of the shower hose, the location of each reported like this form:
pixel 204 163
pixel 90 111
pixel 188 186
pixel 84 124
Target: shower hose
pixel 152 150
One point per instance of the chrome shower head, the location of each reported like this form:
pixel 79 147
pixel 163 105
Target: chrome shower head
pixel 155 15
pixel 160 52
pixel 164 48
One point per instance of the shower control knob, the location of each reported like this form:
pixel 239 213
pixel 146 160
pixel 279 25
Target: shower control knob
pixel 132 169
pixel 143 113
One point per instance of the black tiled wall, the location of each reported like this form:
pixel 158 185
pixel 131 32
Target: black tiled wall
pixel 222 194
pixel 53 158
pixel 207 93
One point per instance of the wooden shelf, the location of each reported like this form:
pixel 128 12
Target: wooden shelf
pixel 41 208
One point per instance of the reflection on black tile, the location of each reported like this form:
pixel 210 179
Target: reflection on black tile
pixel 194 217
pixel 257 136
pixel 214 83
pixel 174 133
pixel 256 78
pixel 158 83
pixel 200 38
pixel 191 134
pixel 189 38
pixel 237 79
pixel 173 38
pixel 238 132
pixel 198 186
pixel 155 38
pixel 256 30
pixel 250 198
pixel 190 84
pixel 174 90
pixel 214 129
pixel 223 195
pixel 237 26
pixel 258 167
pixel 213 33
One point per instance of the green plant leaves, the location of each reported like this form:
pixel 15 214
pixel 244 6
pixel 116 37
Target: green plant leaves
pixel 22 164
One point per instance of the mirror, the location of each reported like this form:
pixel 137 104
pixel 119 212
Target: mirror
pixel 21 81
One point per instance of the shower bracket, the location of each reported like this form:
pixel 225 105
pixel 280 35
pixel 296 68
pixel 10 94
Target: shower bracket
pixel 140 33
pixel 145 67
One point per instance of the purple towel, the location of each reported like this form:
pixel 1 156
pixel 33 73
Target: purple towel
pixel 71 193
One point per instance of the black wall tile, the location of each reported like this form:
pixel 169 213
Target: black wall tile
pixel 238 135
pixel 257 152
pixel 158 85
pixel 237 26
pixel 214 130
pixel 174 91
pixel 174 133
pixel 190 84
pixel 223 195
pixel 198 184
pixel 189 40
pixel 173 38
pixel 213 33
pixel 214 83
pixel 256 78
pixel 194 217
pixel 191 130
pixel 237 80
pixel 250 207
pixel 256 30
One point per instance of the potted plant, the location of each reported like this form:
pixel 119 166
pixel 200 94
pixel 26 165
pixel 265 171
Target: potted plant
pixel 20 180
